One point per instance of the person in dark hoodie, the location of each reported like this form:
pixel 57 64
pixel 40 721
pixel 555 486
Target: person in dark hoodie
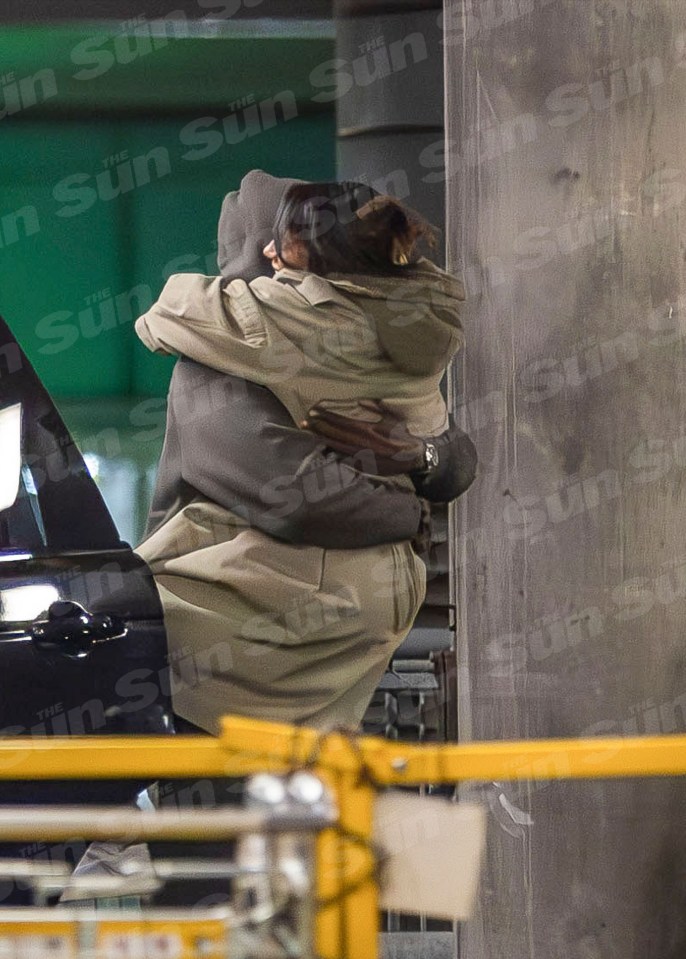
pixel 286 588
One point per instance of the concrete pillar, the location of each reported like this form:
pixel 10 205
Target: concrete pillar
pixel 565 194
pixel 389 106
pixel 390 101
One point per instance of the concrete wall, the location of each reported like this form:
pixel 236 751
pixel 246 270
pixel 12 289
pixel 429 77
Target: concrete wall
pixel 566 186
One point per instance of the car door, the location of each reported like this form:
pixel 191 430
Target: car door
pixel 82 642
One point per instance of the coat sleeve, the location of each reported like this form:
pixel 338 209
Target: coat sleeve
pixel 248 458
pixel 219 326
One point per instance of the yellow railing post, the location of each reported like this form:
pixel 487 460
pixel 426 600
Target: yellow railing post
pixel 348 917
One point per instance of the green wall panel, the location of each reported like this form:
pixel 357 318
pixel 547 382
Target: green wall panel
pixel 55 269
pixel 108 202
pixel 153 67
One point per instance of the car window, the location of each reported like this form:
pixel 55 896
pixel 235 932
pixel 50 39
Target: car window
pixel 21 524
pixel 57 506
pixel 10 444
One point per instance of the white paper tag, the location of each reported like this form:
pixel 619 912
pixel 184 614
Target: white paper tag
pixel 432 852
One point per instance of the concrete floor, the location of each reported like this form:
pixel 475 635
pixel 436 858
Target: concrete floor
pixel 417 945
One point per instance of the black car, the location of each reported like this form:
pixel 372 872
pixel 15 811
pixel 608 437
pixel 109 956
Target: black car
pixel 82 640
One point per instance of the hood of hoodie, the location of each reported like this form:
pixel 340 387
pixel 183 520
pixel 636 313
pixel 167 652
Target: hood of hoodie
pixel 245 225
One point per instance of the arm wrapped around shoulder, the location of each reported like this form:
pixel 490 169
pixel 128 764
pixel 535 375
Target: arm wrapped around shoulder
pixel 189 307
pixel 198 317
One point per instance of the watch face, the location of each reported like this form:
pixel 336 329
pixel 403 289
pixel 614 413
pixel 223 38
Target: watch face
pixel 430 457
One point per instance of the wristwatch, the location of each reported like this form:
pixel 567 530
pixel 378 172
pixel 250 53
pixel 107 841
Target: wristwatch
pixel 431 458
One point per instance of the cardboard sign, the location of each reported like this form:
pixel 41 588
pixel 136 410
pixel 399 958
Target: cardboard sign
pixel 432 851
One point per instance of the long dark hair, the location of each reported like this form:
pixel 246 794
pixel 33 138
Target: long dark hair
pixel 349 227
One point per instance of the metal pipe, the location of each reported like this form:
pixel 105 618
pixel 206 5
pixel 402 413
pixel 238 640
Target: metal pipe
pixel 112 824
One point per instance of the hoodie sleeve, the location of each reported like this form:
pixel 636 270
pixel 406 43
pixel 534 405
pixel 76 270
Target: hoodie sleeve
pixel 241 450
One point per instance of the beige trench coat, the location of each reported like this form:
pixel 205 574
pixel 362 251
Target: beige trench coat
pixel 283 632
pixel 311 339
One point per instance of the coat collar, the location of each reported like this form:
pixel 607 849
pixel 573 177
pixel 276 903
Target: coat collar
pixel 319 289
pixel 316 289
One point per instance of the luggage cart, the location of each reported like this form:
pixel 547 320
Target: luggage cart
pixel 270 879
pixel 335 913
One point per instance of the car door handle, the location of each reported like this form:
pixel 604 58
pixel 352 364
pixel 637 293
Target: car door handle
pixel 72 631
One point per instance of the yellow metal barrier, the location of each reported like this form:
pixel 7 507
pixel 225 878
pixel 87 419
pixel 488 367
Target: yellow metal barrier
pixel 42 934
pixel 354 768
pixel 248 746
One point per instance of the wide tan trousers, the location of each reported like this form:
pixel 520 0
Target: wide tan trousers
pixel 263 628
